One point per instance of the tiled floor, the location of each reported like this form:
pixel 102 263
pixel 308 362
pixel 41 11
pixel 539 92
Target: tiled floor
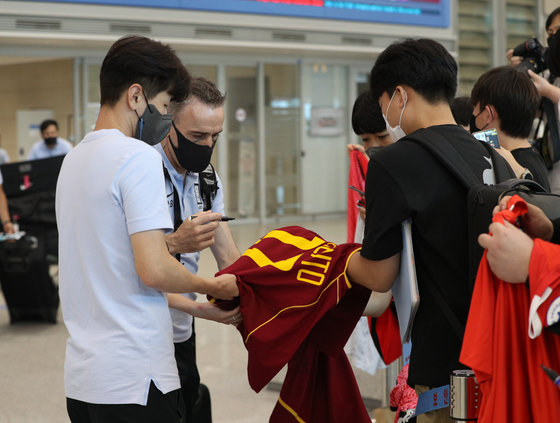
pixel 32 356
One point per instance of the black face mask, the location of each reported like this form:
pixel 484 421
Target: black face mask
pixel 372 150
pixel 472 124
pixel 50 141
pixel 191 156
pixel 152 126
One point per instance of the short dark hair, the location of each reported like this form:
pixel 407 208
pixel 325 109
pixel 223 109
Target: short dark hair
pixel 206 91
pixel 513 95
pixel 462 110
pixel 46 123
pixel 424 65
pixel 202 89
pixel 366 115
pixel 550 17
pixel 153 65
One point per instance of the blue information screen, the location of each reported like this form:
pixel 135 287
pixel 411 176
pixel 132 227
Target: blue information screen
pixel 405 12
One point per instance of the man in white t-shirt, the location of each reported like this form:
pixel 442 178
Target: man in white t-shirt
pixel 186 152
pixel 114 264
pixel 51 144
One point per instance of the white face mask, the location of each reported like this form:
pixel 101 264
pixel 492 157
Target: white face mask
pixel 395 132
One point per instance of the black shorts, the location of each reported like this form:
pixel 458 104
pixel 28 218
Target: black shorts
pixel 161 408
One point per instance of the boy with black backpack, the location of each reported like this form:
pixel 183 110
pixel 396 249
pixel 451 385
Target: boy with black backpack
pixel 415 82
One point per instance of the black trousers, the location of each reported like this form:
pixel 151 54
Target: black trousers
pixel 161 408
pixel 185 355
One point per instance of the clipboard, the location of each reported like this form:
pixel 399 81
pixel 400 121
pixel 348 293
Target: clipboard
pixel 405 288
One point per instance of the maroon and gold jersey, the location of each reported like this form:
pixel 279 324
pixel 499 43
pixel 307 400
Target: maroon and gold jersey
pixel 299 308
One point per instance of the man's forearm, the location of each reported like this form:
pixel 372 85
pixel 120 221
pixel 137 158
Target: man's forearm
pixel 159 270
pixel 377 275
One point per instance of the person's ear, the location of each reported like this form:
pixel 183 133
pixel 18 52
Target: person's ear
pixel 134 96
pixel 400 96
pixel 492 112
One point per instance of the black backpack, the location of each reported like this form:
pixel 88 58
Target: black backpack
pixel 481 199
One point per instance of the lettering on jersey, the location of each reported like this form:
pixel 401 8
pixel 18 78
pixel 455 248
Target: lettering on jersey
pixel 297 241
pixel 313 271
pixel 261 260
pixel 553 312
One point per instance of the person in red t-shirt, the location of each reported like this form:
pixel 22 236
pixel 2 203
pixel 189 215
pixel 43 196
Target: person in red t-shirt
pixel 506 362
pixel 529 256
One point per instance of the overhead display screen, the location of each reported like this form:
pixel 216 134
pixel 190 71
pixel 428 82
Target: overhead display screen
pixel 405 12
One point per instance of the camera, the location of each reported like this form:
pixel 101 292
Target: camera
pixel 534 55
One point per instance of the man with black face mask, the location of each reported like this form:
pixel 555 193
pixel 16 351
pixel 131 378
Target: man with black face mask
pixel 51 145
pixel 116 277
pixel 186 151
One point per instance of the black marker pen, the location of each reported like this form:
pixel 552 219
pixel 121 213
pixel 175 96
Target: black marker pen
pixel 222 219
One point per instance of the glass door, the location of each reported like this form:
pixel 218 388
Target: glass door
pixel 282 142
pixel 242 142
pixel 324 164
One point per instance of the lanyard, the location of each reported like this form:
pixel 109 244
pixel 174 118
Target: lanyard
pixel 177 221
pixel 434 399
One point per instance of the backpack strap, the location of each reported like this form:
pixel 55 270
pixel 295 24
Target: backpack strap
pixel 208 186
pixel 448 155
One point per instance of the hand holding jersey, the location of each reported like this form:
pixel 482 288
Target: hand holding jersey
pixel 206 310
pixel 509 249
pixel 535 223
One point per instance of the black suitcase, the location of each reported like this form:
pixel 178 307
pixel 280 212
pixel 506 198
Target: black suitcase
pixel 28 288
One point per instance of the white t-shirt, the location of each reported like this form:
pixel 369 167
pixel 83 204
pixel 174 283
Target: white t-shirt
pixel 188 190
pixel 120 333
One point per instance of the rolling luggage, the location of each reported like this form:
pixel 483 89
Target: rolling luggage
pixel 27 286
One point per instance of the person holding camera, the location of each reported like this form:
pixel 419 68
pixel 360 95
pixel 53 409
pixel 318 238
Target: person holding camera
pixel 532 48
pixel 535 59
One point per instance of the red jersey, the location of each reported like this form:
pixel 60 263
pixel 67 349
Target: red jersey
pixel 386 334
pixel 299 308
pixel 356 178
pixel 505 360
pixel 544 281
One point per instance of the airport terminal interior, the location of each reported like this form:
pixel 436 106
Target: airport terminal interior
pixel 32 356
pixel 291 71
